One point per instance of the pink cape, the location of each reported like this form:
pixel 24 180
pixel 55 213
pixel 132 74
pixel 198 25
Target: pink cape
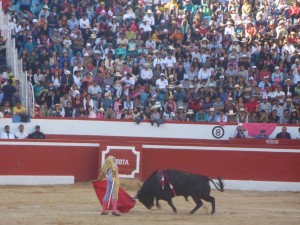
pixel 125 201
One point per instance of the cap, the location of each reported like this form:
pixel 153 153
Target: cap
pixel 276 67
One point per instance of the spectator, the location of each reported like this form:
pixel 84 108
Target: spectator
pixel 262 134
pixel 283 134
pixel 21 134
pixel 252 56
pixel 37 134
pixel 298 136
pixel 7 134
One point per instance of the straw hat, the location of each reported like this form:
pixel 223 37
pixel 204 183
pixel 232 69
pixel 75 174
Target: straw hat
pixel 190 112
pixel 231 113
pixel 118 74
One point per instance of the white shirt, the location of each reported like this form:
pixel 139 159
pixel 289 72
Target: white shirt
pixel 150 19
pixel 84 23
pixel 21 135
pixel 146 74
pixel 162 84
pixel 5 135
pixel 170 62
pixel 159 61
pixel 146 27
pixel 129 81
pixel 204 74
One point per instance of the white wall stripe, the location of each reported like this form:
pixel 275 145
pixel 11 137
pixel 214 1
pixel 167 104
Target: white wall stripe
pixel 249 185
pixel 50 144
pixel 36 180
pixel 204 148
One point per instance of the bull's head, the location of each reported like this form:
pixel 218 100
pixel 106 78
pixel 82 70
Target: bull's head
pixel 147 201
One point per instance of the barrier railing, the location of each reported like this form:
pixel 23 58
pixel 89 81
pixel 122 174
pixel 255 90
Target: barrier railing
pixel 26 90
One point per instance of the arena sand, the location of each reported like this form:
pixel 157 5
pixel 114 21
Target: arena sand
pixel 78 205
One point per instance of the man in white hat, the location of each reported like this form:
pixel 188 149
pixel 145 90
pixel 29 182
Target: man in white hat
pixel 149 16
pixel 161 85
pixel 45 12
pixel 145 25
pixel 146 74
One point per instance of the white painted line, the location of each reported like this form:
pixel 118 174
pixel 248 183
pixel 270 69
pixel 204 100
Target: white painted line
pixel 250 185
pixel 219 148
pixel 50 144
pixel 36 180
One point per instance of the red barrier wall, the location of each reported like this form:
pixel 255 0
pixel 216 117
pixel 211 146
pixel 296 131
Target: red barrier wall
pixel 230 165
pixel 231 160
pixel 79 161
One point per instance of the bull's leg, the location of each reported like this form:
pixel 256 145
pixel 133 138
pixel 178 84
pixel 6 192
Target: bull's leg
pixel 172 206
pixel 157 203
pixel 210 199
pixel 198 202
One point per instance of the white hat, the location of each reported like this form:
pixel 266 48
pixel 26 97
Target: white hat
pixel 97 51
pixel 149 11
pixel 212 109
pixel 146 65
pixel 86 54
pixel 251 78
pixel 67 72
pixel 222 77
pixel 88 44
pixel 236 86
pixel 45 7
pixel 222 58
pixel 230 99
pixel 230 113
pixel 240 125
pixel 276 67
pixel 190 112
pixel 34 20
pixel 254 67
pixel 118 74
pixel 162 21
pixel 101 110
pixel 185 76
pixel 242 109
pixel 165 30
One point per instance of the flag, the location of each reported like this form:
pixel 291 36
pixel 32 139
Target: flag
pixel 255 128
pixel 125 201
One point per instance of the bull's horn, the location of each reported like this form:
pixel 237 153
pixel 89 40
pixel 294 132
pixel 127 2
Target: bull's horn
pixel 135 196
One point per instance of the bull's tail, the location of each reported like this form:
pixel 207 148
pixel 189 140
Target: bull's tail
pixel 219 185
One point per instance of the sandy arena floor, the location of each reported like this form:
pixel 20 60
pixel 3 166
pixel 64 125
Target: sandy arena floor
pixel 78 205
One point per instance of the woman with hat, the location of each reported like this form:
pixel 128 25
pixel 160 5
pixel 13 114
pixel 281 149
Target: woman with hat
pixel 180 115
pixel 156 116
pixel 57 111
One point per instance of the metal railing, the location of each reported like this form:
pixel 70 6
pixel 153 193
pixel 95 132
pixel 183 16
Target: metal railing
pixel 26 90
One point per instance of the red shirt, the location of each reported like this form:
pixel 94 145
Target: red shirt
pixel 251 106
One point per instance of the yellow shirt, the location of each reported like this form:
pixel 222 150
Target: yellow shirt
pixel 20 110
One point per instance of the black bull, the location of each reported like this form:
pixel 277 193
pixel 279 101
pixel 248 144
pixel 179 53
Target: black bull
pixel 185 184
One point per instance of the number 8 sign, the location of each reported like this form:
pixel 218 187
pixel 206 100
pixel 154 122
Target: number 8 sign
pixel 218 132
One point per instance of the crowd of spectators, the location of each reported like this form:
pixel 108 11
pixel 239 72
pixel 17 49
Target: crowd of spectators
pixel 159 60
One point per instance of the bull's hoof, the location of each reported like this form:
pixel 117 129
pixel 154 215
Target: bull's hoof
pixel 191 212
pixel 212 212
pixel 116 214
pixel 104 213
